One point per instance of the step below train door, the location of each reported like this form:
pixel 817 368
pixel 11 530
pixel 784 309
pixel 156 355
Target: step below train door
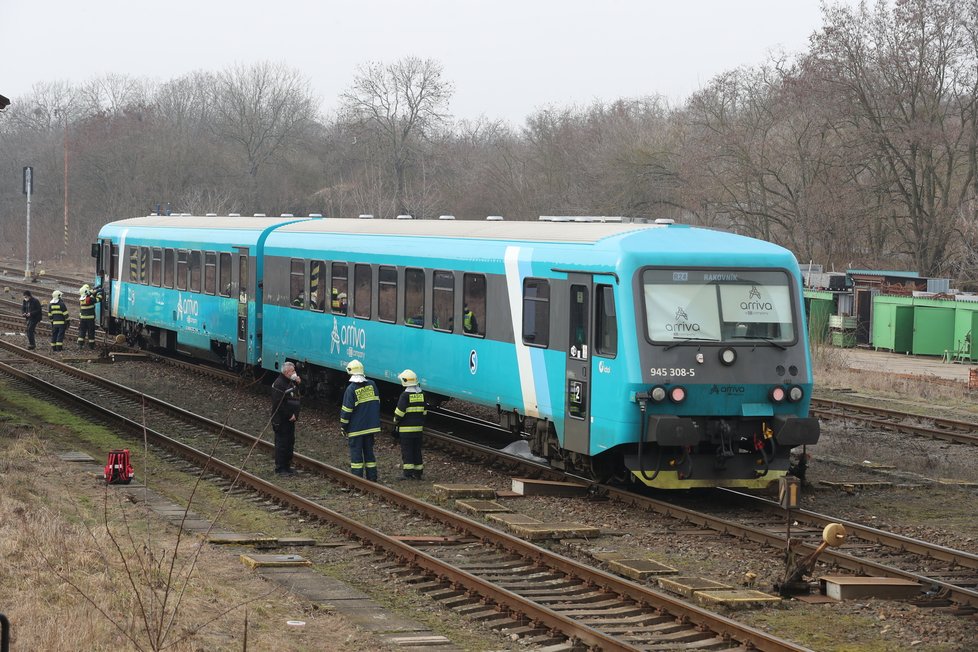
pixel 577 387
pixel 242 265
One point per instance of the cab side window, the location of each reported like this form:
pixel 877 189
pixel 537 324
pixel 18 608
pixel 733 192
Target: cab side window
pixel 536 312
pixel 606 326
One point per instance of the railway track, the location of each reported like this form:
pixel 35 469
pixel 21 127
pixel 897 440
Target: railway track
pixel 959 432
pixel 537 589
pixel 868 551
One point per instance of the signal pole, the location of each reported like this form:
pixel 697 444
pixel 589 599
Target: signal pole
pixel 28 188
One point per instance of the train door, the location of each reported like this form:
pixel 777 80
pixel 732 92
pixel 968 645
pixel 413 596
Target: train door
pixel 244 295
pixel 106 271
pixel 577 390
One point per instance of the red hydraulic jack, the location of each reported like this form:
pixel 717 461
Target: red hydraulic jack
pixel 118 470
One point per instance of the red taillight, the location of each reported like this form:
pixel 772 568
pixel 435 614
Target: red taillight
pixel 677 394
pixel 777 394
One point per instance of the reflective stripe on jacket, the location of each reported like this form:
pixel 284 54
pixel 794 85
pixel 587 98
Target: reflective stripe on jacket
pixel 410 412
pixel 360 414
pixel 86 308
pixel 57 313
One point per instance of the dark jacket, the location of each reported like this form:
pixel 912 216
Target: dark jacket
pixel 361 409
pixel 32 309
pixel 410 413
pixel 58 312
pixel 285 400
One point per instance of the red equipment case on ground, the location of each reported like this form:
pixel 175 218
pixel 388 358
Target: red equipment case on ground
pixel 118 470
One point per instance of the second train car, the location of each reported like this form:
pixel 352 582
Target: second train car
pixel 672 355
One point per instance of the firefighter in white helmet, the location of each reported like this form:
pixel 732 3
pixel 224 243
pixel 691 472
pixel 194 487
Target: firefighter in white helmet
pixel 409 419
pixel 58 314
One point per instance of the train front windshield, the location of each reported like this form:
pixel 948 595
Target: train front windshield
pixel 722 306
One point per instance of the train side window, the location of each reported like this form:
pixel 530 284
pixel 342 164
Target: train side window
pixel 133 264
pixel 106 261
pixel 156 271
pixel 577 338
pixel 536 312
pixel 387 295
pixel 224 272
pixel 210 272
pixel 144 254
pixel 474 304
pixel 317 285
pixel 361 291
pixel 168 263
pixel 242 281
pixel 195 271
pixel 606 322
pixel 115 263
pixel 182 269
pixel 443 302
pixel 338 300
pixel 297 283
pixel 414 297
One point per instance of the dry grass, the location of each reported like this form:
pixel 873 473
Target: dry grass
pixel 83 570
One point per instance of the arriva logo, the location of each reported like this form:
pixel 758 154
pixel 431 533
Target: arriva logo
pixel 682 324
pixel 603 368
pixel 349 336
pixel 186 307
pixel 755 302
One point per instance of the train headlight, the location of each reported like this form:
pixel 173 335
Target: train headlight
pixel 728 356
pixel 777 394
pixel 658 394
pixel 796 393
pixel 677 394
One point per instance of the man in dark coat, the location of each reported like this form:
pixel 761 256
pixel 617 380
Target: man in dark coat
pixel 285 412
pixel 32 313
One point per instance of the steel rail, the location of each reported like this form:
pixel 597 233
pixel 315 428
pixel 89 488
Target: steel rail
pixel 958 431
pixel 627 589
pixel 867 533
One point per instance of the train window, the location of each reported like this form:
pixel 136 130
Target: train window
pixel 361 291
pixel 242 280
pixel 210 272
pixel 168 270
pixel 474 304
pixel 144 253
pixel 387 295
pixel 443 302
pixel 297 283
pixel 414 297
pixel 536 312
pixel 106 260
pixel 224 272
pixel 133 264
pixel 606 322
pixel 156 271
pixel 577 341
pixel 182 269
pixel 115 263
pixel 195 271
pixel 317 283
pixel 338 299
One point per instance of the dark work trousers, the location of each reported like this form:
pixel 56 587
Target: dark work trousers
pixel 86 327
pixel 362 456
pixel 411 454
pixel 284 444
pixel 31 327
pixel 57 337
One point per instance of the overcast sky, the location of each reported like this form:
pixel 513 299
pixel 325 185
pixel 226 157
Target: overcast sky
pixel 507 58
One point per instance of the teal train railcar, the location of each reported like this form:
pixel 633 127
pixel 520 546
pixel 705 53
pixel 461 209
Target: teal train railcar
pixel 673 356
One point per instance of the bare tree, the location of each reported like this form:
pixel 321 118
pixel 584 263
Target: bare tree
pixel 400 104
pixel 262 109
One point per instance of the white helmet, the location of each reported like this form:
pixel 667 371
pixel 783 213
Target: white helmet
pixel 408 378
pixel 354 368
pixel 56 295
pixel 85 289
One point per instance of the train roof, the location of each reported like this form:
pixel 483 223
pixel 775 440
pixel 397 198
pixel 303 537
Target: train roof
pixel 470 229
pixel 199 222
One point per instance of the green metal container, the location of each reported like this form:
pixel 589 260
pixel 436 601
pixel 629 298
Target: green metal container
pixel 892 325
pixel 933 328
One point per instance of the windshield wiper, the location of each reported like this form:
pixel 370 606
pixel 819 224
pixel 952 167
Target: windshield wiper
pixel 763 339
pixel 687 340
